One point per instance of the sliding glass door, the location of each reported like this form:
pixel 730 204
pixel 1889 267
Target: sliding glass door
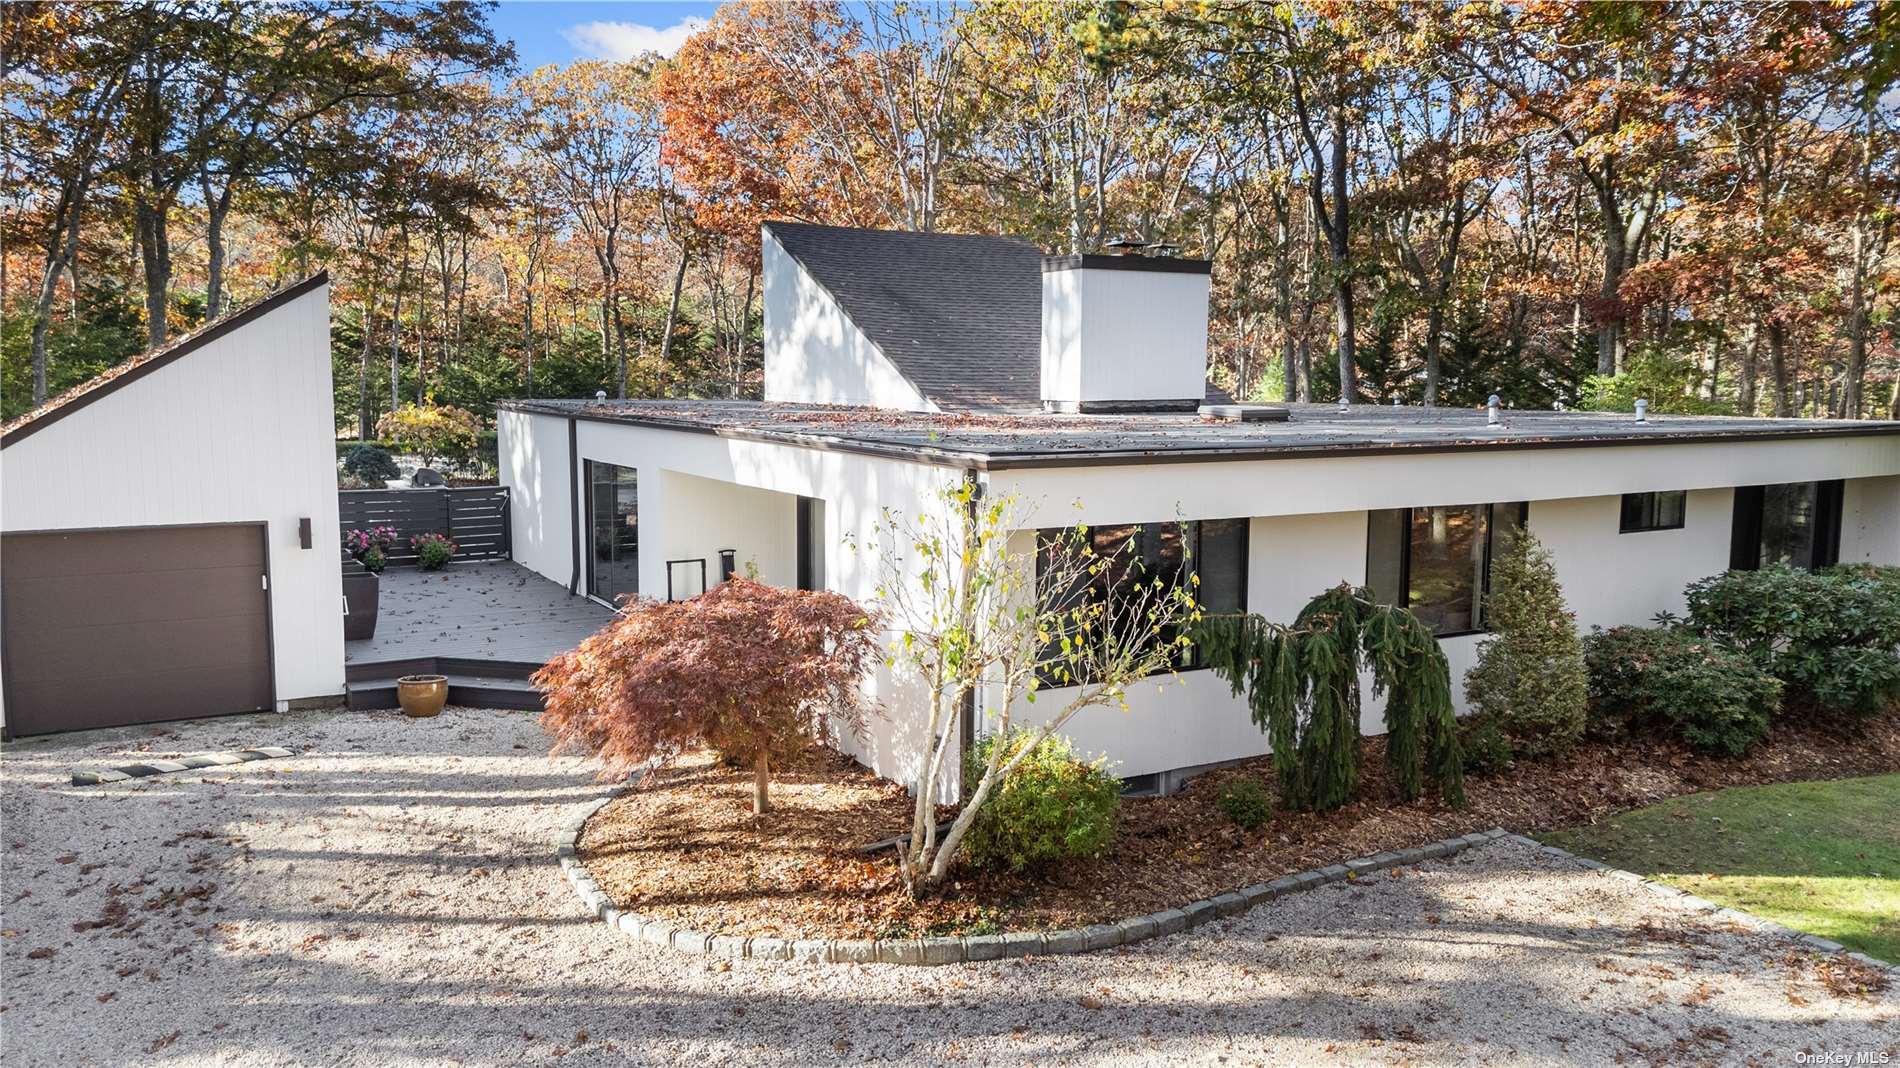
pixel 613 507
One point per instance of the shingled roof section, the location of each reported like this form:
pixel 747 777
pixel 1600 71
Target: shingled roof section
pixel 959 315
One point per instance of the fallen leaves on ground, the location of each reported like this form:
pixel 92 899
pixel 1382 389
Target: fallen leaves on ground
pixel 685 847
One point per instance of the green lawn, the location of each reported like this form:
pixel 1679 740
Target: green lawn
pixel 1820 857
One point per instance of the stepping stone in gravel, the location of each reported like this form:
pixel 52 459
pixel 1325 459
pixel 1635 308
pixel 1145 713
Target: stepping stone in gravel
pixel 167 767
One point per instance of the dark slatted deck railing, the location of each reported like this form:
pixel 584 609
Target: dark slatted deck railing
pixel 475 518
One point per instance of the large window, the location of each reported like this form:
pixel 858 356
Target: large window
pixel 1796 523
pixel 1653 511
pixel 613 509
pixel 1215 550
pixel 1437 561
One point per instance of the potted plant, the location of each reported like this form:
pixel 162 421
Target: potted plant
pixel 362 589
pixel 433 551
pixel 422 696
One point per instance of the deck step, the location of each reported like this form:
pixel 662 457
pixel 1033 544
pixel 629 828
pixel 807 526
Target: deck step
pixel 473 691
pixel 374 670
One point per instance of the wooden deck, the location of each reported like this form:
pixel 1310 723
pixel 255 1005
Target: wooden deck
pixel 497 611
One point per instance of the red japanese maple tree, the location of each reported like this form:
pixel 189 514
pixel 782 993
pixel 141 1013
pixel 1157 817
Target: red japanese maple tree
pixel 749 669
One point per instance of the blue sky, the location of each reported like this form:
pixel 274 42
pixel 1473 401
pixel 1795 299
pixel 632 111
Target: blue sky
pixel 561 32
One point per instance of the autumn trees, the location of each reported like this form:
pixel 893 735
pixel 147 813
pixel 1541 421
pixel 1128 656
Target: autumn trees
pixel 593 131
pixel 1403 201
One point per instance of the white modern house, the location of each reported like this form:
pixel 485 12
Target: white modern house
pixel 897 363
pixel 168 530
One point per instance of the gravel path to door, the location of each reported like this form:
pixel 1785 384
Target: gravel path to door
pixel 388 897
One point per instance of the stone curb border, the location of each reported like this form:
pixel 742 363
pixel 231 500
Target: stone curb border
pixel 928 951
pixel 165 767
pixel 1756 923
pixel 978 947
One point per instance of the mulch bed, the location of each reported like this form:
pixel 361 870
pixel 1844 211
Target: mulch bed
pixel 685 847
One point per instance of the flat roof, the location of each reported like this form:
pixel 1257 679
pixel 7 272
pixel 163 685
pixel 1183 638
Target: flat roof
pixel 1035 439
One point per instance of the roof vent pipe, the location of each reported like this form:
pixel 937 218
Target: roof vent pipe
pixel 1642 411
pixel 1491 411
pixel 600 394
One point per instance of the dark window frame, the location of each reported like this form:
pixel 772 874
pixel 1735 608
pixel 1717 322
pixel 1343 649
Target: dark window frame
pixel 1192 660
pixel 1648 507
pixel 1746 529
pixel 1404 592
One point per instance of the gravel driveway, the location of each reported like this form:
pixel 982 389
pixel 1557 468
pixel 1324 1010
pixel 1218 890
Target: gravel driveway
pixel 390 899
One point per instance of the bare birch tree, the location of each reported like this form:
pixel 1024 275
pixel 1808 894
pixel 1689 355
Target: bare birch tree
pixel 977 620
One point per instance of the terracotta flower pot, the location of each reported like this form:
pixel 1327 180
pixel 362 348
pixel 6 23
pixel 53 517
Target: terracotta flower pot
pixel 422 695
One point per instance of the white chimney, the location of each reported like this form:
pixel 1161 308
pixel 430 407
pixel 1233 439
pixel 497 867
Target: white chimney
pixel 1124 333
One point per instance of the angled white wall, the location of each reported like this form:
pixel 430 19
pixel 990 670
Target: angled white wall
pixel 240 430
pixel 814 353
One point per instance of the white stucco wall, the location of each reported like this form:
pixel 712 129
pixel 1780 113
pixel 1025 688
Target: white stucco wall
pixel 532 450
pixel 685 517
pixel 1870 520
pixel 814 353
pixel 689 484
pixel 701 489
pixel 240 430
pixel 1611 578
pixel 1192 718
pixel 1120 335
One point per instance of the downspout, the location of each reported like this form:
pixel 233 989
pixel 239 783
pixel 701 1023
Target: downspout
pixel 574 504
pixel 966 733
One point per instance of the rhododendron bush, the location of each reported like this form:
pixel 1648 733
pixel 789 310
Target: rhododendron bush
pixel 752 670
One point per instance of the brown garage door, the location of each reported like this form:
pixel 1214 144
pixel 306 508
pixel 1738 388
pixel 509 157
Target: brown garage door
pixel 135 625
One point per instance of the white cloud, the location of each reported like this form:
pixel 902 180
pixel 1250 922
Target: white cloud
pixel 622 41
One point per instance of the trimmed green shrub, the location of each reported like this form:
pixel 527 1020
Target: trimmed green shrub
pixel 1487 750
pixel 433 551
pixel 371 463
pixel 1830 636
pixel 1674 680
pixel 1246 803
pixel 1529 680
pixel 1054 805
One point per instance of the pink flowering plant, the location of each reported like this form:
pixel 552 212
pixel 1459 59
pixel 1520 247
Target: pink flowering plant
pixel 370 547
pixel 432 550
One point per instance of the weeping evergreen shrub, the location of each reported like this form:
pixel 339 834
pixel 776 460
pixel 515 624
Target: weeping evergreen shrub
pixel 1302 687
